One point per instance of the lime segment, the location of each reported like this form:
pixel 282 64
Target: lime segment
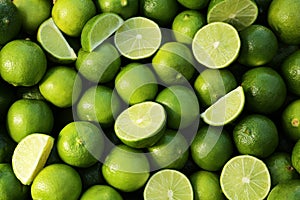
pixel 245 177
pixel 216 45
pixel 141 125
pixel 168 184
pixel 239 13
pixel 98 29
pixel 226 109
pixel 54 42
pixel 138 38
pixel 30 156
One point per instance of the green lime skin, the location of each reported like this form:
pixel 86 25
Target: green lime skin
pixel 290 70
pixel 10 21
pixel 22 63
pixel 280 168
pixel 10 187
pixel 296 156
pixel 211 148
pixel 103 192
pixel 258 46
pixel 291 120
pixel 91 176
pixel 195 4
pixel 124 8
pixel 265 90
pixel 288 190
pixel 256 135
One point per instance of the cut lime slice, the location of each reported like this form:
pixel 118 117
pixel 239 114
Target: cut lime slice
pixel 54 42
pixel 30 156
pixel 168 184
pixel 98 29
pixel 138 38
pixel 239 13
pixel 141 125
pixel 226 109
pixel 245 177
pixel 216 45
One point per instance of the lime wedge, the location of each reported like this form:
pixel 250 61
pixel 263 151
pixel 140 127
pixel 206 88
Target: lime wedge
pixel 245 177
pixel 225 109
pixel 98 29
pixel 239 13
pixel 216 45
pixel 30 156
pixel 138 38
pixel 141 125
pixel 168 184
pixel 54 42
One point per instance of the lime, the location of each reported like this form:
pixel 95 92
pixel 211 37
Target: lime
pixel 296 156
pixel 126 169
pixel 80 144
pixel 195 4
pixel 171 151
pixel 91 176
pixel 287 190
pixel 186 24
pixel 211 148
pixel 181 105
pixel 99 104
pixel 124 8
pixel 226 109
pixel 7 146
pixel 280 168
pixel 212 84
pixel 98 29
pixel 10 21
pixel 32 92
pixel 291 120
pixel 57 181
pixel 216 45
pixel 258 45
pixel 31 19
pixel 138 38
pixel 206 185
pixel 174 63
pixel 10 187
pixel 136 83
pixel 61 86
pixel 290 69
pixel 22 63
pixel 141 125
pixel 282 18
pixel 30 156
pixel 49 36
pixel 264 89
pixel 27 116
pixel 103 192
pixel 245 177
pixel 239 13
pixel 70 16
pixel 168 184
pixel 256 135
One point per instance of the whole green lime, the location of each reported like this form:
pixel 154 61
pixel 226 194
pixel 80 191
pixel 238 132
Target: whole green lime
pixel 22 63
pixel 288 190
pixel 296 156
pixel 195 4
pixel 103 192
pixel 291 120
pixel 124 8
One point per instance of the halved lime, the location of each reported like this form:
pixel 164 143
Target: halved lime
pixel 98 29
pixel 53 41
pixel 245 177
pixel 239 13
pixel 225 109
pixel 138 38
pixel 216 45
pixel 30 156
pixel 141 125
pixel 168 184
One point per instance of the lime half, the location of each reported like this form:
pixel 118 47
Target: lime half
pixel 216 45
pixel 138 38
pixel 239 13
pixel 30 156
pixel 226 109
pixel 141 125
pixel 168 184
pixel 98 29
pixel 245 177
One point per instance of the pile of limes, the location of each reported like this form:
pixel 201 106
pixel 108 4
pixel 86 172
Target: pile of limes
pixel 149 99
